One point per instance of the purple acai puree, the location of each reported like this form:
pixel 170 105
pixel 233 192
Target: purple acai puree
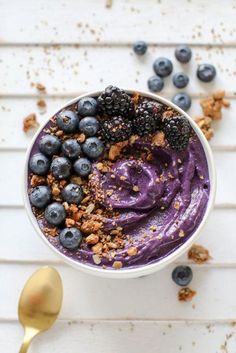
pixel 161 202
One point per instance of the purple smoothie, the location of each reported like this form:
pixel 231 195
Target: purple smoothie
pixel 170 200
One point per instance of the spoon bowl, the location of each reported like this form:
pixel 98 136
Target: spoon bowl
pixel 40 303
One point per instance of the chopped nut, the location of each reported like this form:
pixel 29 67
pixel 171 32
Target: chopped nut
pixel 66 206
pixel 181 233
pixel 69 222
pixel 81 138
pixel 117 265
pixel 90 208
pixel 30 122
pixel 37 180
pixel 99 166
pixel 198 254
pixel 122 177
pixel 177 205
pixel 116 149
pixel 112 245
pixel 97 248
pixel 62 183
pixel 85 200
pixel 55 191
pixel 135 188
pixel 159 139
pixel 78 215
pixel 59 133
pixel 76 180
pixel 132 251
pixel 186 294
pixel 92 239
pixel 96 259
pixel 53 232
pixel 89 226
pixel 50 179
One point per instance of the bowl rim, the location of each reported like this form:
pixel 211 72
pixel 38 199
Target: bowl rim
pixel 148 268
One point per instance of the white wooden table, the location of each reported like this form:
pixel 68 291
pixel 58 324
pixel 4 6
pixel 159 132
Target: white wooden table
pixel 72 46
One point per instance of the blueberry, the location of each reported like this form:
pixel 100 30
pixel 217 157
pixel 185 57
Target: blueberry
pixel 182 275
pixel 206 72
pixel 162 67
pixel 67 121
pixel 93 147
pixel 60 167
pixel 180 80
pixel 87 106
pixel 72 193
pixel 55 213
pixel 49 145
pixel 182 100
pixel 40 196
pixel 155 83
pixel 183 53
pixel 70 238
pixel 140 47
pixel 71 148
pixel 82 167
pixel 39 164
pixel 89 126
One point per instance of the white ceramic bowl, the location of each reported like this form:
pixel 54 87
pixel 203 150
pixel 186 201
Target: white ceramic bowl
pixel 141 270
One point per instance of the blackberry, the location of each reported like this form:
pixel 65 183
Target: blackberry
pixel 148 117
pixel 177 132
pixel 115 101
pixel 116 129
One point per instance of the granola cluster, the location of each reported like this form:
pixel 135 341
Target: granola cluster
pixel 212 111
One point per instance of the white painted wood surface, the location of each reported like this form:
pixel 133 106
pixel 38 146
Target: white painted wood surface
pixel 94 48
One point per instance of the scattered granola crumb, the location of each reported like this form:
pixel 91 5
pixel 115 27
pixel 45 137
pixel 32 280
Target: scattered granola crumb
pixel 108 3
pixel 30 122
pixel 198 254
pixel 181 233
pixel 186 294
pixel 40 87
pixel 41 104
pixel 117 265
pixel 135 188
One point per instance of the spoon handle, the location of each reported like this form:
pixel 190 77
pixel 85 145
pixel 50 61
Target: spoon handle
pixel 24 347
pixel 30 333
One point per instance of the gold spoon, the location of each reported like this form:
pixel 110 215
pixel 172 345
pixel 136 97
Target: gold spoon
pixel 40 303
